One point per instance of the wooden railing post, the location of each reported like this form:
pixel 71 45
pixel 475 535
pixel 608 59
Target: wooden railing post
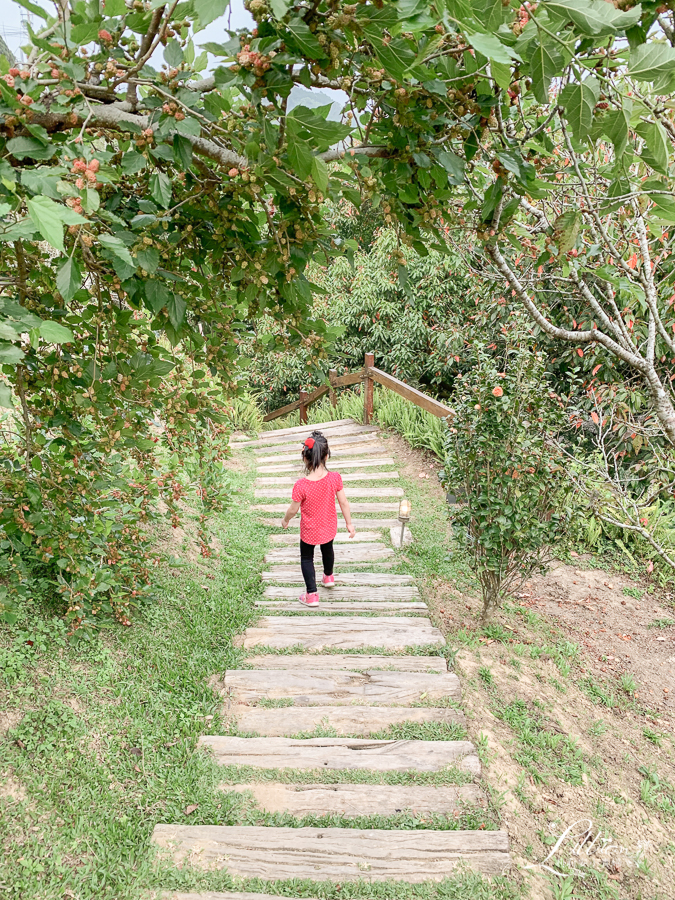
pixel 332 375
pixel 368 390
pixel 303 408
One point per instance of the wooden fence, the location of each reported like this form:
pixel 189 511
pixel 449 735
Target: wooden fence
pixel 367 376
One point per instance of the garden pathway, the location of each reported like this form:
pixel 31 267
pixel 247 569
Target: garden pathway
pixel 360 664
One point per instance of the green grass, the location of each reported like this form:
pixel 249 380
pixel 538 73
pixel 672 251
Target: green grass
pixel 248 774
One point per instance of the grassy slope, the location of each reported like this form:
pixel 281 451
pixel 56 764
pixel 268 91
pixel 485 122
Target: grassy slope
pixel 107 736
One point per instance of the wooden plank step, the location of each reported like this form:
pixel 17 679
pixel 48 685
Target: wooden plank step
pixel 342 753
pixel 350 661
pixel 360 721
pixel 345 607
pixel 293 575
pixel 333 854
pixel 348 440
pixel 346 592
pixel 339 688
pixel 344 554
pixel 355 507
pixel 359 524
pixel 340 538
pixel 345 632
pixel 366 449
pixel 271 438
pixel 217 895
pixel 360 799
pixel 346 477
pixel 294 465
pixel 353 492
pixel 301 429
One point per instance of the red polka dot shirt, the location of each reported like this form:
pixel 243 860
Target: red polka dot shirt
pixel 318 516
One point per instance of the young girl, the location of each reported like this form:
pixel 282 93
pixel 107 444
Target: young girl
pixel 314 495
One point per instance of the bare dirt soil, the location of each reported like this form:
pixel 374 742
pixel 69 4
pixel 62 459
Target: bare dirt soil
pixel 568 744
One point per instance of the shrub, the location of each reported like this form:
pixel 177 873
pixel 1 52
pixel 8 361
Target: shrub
pixel 512 488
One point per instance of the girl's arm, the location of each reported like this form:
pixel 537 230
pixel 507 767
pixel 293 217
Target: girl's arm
pixel 344 506
pixel 290 512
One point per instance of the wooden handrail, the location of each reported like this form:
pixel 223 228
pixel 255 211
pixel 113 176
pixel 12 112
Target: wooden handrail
pixel 367 375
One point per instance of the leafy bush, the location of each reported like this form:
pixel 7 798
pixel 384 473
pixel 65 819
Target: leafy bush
pixel 511 486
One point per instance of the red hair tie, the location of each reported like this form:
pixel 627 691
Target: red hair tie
pixel 309 443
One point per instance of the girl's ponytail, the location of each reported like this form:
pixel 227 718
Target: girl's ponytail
pixel 315 451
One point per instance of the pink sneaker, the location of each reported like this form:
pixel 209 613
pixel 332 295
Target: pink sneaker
pixel 328 581
pixel 309 599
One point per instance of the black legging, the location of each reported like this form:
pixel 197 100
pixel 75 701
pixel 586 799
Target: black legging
pixel 307 563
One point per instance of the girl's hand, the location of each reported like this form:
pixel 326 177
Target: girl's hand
pixel 351 530
pixel 284 524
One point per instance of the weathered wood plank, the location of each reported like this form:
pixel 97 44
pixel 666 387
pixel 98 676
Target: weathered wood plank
pixel 293 575
pixel 340 454
pixel 342 753
pixel 355 507
pixel 301 404
pixel 293 465
pixel 360 799
pixel 336 854
pixel 271 438
pixel 339 688
pixel 346 592
pixel 345 607
pixel 340 538
pixel 217 895
pixel 300 429
pixel 347 477
pixel 349 440
pixel 359 524
pixel 344 554
pixel 345 632
pixel 404 390
pixel 360 721
pixel 350 661
pixel 353 492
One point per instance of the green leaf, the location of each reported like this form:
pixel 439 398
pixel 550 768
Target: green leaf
pixel 566 230
pixel 22 147
pixel 182 151
pixel 307 125
pixel 306 40
pixel 117 248
pixel 209 10
pixel 301 158
pixel 69 279
pixel 10 354
pixel 133 162
pixel 453 165
pixel 501 72
pixel 85 33
pixel 148 259
pixel 55 333
pixel 615 125
pixel 650 61
pixel 48 218
pixel 656 150
pixel 6 397
pixel 279 8
pixel 579 101
pixel 320 174
pixel 114 7
pixel 177 308
pixel 91 200
pixel 396 57
pixel 593 17
pixel 546 62
pixel 490 45
pixel 160 189
pixel 173 54
pixel 34 8
pixel 156 295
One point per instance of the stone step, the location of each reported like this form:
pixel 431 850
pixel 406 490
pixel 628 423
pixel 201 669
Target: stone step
pixel 294 465
pixel 345 607
pixel 339 688
pixel 344 632
pixel 281 508
pixel 359 524
pixel 345 553
pixel 294 446
pixel 347 477
pixel 342 753
pixel 333 854
pixel 353 492
pixel 370 448
pixel 351 721
pixel 271 438
pixel 346 592
pixel 348 661
pixel 293 575
pixel 360 799
pixel 340 538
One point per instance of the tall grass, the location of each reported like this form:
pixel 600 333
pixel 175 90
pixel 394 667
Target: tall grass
pixel 417 426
